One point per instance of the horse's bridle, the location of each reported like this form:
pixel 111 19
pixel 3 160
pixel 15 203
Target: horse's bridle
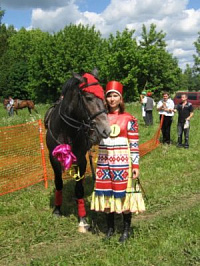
pixel 86 125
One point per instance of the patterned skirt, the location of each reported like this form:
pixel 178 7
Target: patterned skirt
pixel 132 202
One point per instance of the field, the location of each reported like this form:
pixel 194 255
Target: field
pixel 166 234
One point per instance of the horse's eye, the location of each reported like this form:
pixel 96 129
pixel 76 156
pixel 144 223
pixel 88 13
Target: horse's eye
pixel 88 98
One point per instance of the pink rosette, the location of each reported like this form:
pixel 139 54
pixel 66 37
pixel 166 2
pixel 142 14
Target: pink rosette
pixel 64 154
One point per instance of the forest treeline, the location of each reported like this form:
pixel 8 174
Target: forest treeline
pixel 35 64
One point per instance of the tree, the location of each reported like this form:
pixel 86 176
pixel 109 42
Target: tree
pixel 55 57
pixel 45 61
pixel 158 69
pixel 5 34
pixel 35 64
pixel 2 12
pixel 41 80
pixel 185 80
pixel 196 68
pixel 13 73
pixel 190 80
pixel 197 57
pixel 120 62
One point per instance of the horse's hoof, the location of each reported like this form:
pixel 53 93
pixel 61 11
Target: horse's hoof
pixel 82 229
pixel 83 226
pixel 57 212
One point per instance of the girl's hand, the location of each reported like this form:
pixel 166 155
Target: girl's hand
pixel 135 173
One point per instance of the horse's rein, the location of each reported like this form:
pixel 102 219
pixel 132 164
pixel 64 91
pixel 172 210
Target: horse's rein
pixel 73 123
pixel 68 120
pixel 77 124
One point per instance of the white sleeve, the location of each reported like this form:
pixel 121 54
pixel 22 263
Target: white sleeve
pixel 144 100
pixel 159 104
pixel 171 105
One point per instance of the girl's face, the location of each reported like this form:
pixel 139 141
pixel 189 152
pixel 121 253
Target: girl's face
pixel 113 100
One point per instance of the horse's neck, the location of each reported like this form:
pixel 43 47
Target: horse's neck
pixel 70 109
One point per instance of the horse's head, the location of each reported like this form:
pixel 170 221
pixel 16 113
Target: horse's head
pixel 93 101
pixel 97 117
pixel 88 111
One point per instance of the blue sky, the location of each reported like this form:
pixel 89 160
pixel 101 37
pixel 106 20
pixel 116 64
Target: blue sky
pixel 21 17
pixel 179 19
pixel 194 4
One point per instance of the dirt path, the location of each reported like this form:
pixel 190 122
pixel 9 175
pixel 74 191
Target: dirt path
pixel 172 209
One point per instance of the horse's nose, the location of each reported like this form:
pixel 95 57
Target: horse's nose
pixel 106 133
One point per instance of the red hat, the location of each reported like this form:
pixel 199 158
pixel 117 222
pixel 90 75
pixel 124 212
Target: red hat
pixel 149 93
pixel 114 86
pixel 94 87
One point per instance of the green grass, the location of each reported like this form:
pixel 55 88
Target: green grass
pixel 23 115
pixel 166 234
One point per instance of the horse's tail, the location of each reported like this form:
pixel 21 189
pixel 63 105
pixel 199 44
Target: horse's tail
pixel 33 106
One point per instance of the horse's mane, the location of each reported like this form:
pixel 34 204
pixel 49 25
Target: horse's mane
pixel 71 94
pixel 70 84
pixel 73 82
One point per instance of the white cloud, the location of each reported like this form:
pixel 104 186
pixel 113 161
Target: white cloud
pixel 90 18
pixel 179 23
pixel 54 20
pixel 179 52
pixel 190 24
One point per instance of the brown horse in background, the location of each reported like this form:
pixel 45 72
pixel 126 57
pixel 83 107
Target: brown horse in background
pixel 20 104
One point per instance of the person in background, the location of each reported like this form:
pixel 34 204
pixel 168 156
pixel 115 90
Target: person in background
pixel 185 112
pixel 165 107
pixel 149 109
pixel 10 106
pixel 118 165
pixel 143 100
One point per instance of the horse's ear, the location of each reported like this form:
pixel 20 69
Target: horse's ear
pixel 95 72
pixel 79 77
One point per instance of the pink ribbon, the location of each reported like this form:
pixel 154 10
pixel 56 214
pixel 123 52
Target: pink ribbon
pixel 64 155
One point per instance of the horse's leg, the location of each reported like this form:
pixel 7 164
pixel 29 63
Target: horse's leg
pixel 79 193
pixel 35 110
pixel 58 184
pixel 29 109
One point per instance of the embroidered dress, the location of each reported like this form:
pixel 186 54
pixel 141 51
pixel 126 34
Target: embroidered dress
pixel 115 190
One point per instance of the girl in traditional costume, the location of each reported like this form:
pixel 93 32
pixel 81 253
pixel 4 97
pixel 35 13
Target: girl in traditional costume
pixel 116 188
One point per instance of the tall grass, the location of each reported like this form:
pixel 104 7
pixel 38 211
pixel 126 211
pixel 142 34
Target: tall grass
pixel 166 234
pixel 23 115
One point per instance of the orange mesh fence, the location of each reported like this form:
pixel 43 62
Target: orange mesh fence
pixel 21 156
pixel 24 156
pixel 153 143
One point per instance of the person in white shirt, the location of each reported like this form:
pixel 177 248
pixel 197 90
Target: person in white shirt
pixel 143 101
pixel 10 106
pixel 165 107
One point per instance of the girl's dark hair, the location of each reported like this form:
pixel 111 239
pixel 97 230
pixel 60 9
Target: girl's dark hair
pixel 121 107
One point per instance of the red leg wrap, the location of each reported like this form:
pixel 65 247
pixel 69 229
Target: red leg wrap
pixel 81 208
pixel 58 197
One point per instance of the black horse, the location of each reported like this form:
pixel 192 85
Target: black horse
pixel 80 120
